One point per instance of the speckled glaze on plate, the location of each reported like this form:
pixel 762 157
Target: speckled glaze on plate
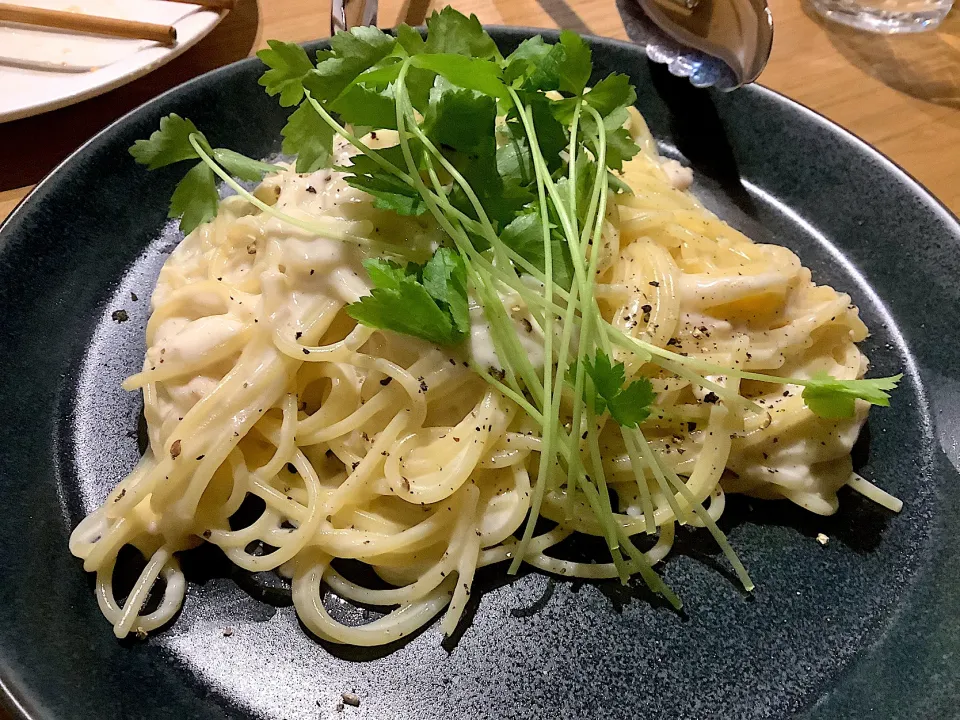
pixel 867 626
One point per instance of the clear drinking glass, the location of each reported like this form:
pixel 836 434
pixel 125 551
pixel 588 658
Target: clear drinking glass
pixel 886 16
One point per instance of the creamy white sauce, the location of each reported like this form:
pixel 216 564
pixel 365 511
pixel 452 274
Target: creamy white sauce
pixel 678 176
pixel 480 343
pixel 709 290
pixel 194 339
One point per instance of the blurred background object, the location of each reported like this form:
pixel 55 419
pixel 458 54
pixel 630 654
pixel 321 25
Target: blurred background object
pixel 345 14
pixel 886 16
pixel 716 43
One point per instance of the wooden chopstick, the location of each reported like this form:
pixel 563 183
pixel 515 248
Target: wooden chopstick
pixel 165 34
pixel 211 4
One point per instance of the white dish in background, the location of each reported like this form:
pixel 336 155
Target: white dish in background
pixel 42 69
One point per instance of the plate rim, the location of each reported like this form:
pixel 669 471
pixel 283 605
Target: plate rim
pixel 11 700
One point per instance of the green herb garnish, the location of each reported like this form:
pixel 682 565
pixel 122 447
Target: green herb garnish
pixel 832 398
pixel 628 404
pixel 195 198
pixel 427 301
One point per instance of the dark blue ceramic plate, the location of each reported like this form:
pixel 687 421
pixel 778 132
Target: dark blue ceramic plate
pixel 868 626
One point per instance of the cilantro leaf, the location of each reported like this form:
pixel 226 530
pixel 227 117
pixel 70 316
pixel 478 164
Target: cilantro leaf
pixel 445 278
pixel 607 379
pixel 171 144
pixel 308 137
pixel 369 107
pixel 365 165
pixel 462 124
pixel 620 148
pixel 613 92
pixel 551 135
pixel 461 119
pixel 617 184
pixel 513 155
pixel 522 61
pixel 410 40
pixel 565 66
pixel 450 31
pixel 428 302
pixel 524 235
pixel 289 64
pixel 629 406
pixel 577 65
pixel 387 274
pixel 381 74
pixel 514 196
pixel 168 145
pixel 389 193
pixel 419 83
pixel 585 173
pixel 195 198
pixel 470 73
pixel 241 166
pixel 832 399
pixel 351 53
pixel 408 310
pixel 544 74
pixel 620 144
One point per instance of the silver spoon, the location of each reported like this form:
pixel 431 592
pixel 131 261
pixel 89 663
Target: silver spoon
pixel 721 43
pixel 346 14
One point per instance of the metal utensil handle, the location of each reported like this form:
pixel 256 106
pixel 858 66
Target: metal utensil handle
pixel 346 14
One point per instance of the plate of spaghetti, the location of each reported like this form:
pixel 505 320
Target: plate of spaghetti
pixel 479 372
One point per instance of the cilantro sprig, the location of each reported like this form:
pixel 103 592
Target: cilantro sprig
pixel 834 399
pixel 628 403
pixel 459 83
pixel 195 198
pixel 428 301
